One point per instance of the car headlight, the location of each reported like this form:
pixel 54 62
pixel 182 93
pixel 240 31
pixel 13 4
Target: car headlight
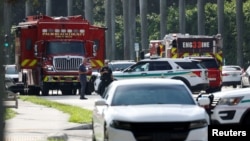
pixel 198 124
pixel 49 68
pixel 230 101
pixel 120 125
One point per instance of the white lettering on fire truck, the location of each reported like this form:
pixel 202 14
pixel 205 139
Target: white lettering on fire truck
pixel 195 44
pixel 63 34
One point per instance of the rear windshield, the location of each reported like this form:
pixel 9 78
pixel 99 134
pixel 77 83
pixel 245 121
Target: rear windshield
pixel 190 65
pixel 231 68
pixel 209 63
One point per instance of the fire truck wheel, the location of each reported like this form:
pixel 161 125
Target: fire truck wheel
pixel 66 92
pixel 74 91
pixel 33 90
pixel 45 89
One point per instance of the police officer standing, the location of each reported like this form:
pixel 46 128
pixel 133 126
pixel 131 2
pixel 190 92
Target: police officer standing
pixel 83 72
pixel 106 77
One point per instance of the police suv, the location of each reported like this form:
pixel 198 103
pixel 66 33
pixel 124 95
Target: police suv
pixel 231 107
pixel 190 71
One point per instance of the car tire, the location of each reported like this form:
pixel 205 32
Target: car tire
pixel 246 120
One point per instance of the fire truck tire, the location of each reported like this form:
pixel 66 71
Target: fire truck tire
pixel 66 92
pixel 74 91
pixel 33 90
pixel 45 89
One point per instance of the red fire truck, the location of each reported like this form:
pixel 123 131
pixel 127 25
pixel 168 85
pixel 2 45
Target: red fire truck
pixel 49 50
pixel 207 49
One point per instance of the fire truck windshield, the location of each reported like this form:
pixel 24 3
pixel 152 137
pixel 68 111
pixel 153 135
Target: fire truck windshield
pixel 57 47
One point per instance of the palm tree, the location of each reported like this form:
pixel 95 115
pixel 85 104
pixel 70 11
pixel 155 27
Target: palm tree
pixel 239 24
pixel 201 17
pixel 144 33
pixel 163 18
pixel 182 21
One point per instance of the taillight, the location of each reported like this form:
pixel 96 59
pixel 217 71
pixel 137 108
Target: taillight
pixel 198 73
pixel 225 74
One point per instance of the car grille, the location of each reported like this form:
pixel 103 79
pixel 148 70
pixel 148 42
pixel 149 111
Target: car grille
pixel 215 102
pixel 67 63
pixel 174 131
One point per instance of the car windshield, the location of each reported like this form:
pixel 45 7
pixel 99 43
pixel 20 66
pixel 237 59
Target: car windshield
pixel 231 68
pixel 151 94
pixel 65 48
pixel 11 70
pixel 121 66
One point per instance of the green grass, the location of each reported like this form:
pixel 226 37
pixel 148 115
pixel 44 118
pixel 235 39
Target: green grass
pixel 77 114
pixel 9 113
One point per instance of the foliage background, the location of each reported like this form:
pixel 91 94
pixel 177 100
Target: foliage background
pixel 211 28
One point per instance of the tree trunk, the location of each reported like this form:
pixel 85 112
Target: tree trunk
pixel 182 15
pixel 144 32
pixel 132 28
pixel 113 29
pixel 239 24
pixel 88 8
pixel 48 8
pixel 2 72
pixel 108 25
pixel 201 17
pixel 69 7
pixel 126 49
pixel 163 18
pixel 28 8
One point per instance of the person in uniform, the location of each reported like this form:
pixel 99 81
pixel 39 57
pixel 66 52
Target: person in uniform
pixel 106 77
pixel 83 72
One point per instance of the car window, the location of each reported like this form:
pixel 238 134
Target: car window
pixel 120 66
pixel 210 63
pixel 231 69
pixel 189 65
pixel 141 66
pixel 153 94
pixel 159 65
pixel 11 70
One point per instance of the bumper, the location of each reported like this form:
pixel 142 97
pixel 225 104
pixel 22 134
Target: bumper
pixel 125 135
pixel 224 115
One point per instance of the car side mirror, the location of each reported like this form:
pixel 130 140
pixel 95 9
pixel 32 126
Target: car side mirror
pixel 100 102
pixel 203 101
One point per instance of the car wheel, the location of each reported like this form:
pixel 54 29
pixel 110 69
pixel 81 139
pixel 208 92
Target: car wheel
pixel 246 120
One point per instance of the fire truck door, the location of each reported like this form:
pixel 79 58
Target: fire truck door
pixel 28 38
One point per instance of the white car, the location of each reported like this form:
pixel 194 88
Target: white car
pixel 231 75
pixel 231 107
pixel 190 71
pixel 149 108
pixel 11 72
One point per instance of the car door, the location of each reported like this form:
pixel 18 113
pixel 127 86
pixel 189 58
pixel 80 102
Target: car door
pixel 245 78
pixel 146 69
pixel 138 70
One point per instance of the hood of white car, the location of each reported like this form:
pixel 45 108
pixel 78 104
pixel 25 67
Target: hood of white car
pixel 161 113
pixel 232 93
